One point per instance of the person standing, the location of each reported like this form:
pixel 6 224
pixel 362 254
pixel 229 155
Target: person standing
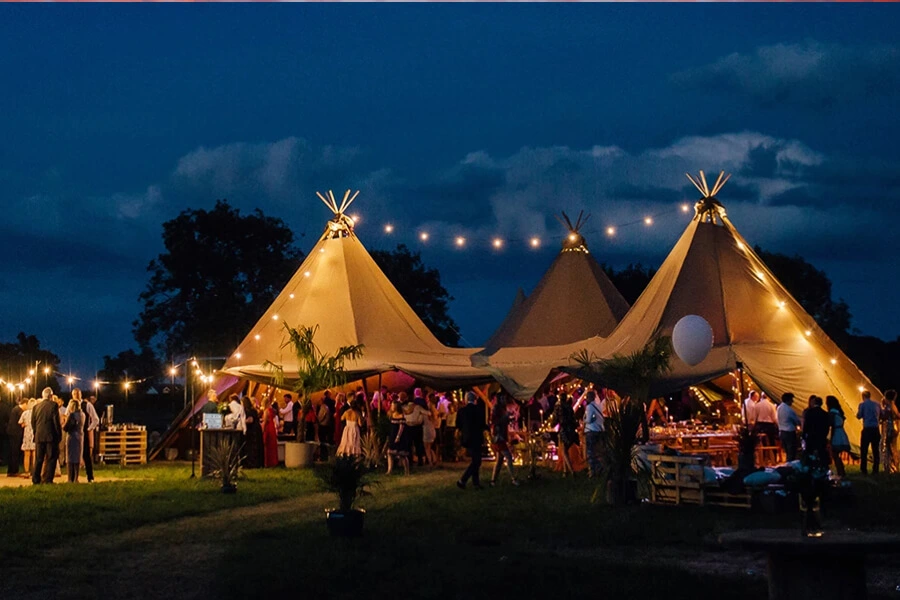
pixel 816 424
pixel 269 435
pixel 472 425
pixel 15 432
pixel 500 420
pixel 869 412
pixel 890 417
pixel 74 428
pixel 288 415
pixel 91 422
pixel 28 437
pixel 839 441
pixel 788 422
pixel 351 444
pixel 415 421
pixel 253 436
pixel 325 416
pixel 594 432
pixel 766 420
pixel 47 436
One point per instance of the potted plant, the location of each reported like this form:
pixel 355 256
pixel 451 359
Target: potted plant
pixel 348 477
pixel 315 371
pixel 632 376
pixel 225 464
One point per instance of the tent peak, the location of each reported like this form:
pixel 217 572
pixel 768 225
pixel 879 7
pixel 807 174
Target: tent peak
pixel 341 225
pixel 708 208
pixel 574 241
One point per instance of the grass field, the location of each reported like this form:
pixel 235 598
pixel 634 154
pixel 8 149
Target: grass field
pixel 158 533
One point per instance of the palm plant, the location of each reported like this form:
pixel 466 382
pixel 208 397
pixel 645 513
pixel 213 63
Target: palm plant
pixel 316 370
pixel 225 463
pixel 632 376
pixel 372 448
pixel 349 479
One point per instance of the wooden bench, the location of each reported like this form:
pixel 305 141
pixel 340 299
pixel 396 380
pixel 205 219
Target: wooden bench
pixel 680 480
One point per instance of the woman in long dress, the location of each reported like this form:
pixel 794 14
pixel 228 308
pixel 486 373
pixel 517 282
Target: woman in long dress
pixel 839 441
pixel 253 443
pixel 75 439
pixel 398 442
pixel 350 440
pixel 269 436
pixel 27 437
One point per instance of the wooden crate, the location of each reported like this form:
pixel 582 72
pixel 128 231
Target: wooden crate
pixel 128 447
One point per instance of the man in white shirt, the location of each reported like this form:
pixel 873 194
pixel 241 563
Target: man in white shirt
pixel 594 431
pixel 288 415
pixel 750 409
pixel 91 423
pixel 788 423
pixel 766 420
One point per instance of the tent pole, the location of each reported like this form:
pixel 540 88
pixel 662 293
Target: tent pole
pixel 740 370
pixel 380 399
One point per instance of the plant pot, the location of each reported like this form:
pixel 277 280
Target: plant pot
pixel 229 488
pixel 299 454
pixel 345 523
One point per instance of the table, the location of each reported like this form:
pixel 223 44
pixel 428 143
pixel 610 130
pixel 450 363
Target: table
pixel 208 439
pixel 826 568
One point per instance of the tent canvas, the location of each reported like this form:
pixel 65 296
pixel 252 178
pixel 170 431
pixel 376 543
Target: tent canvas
pixel 574 300
pixel 713 272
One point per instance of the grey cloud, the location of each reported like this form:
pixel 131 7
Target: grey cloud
pixel 808 75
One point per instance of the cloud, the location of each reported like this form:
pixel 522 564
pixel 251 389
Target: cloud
pixel 810 75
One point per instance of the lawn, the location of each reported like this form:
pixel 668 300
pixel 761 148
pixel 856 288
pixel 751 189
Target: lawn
pixel 160 534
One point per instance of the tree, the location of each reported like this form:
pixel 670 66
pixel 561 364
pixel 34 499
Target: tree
pixel 220 271
pixel 131 366
pixel 812 289
pixel 18 359
pixel 421 288
pixel 631 280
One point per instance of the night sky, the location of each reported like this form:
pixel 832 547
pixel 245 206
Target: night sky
pixel 461 119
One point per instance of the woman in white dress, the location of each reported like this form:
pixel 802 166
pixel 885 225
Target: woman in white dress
pixel 28 437
pixel 350 440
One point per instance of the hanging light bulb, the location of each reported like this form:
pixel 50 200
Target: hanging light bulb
pixel 535 242
pixel 389 228
pixel 460 241
pixel 834 361
pixel 423 236
pixel 256 337
pixel 685 207
pixel 497 243
pixel 648 220
pixel 610 231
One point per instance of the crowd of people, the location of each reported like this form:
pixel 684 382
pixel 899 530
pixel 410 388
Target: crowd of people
pixel 46 434
pixel 819 429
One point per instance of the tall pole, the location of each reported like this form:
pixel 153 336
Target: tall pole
pixel 740 370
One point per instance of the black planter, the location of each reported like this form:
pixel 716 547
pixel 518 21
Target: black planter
pixel 345 523
pixel 229 488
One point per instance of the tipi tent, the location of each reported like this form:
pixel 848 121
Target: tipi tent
pixel 341 289
pixel 574 300
pixel 713 272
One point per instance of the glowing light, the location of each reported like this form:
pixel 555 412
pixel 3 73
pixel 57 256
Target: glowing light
pixel 423 236
pixel 497 243
pixel 127 384
pixel 256 337
pixel 355 219
pixel 321 250
pixel 274 317
pixel 648 220
pixel 237 355
pixel 31 371
pixel 193 363
pixel 572 237
pixel 740 245
pixel 861 388
pixel 460 241
pixel 389 228
pixel 21 386
pixel 834 361
pixel 685 208
pixel 28 380
pixel 535 242
pixel 70 380
pixel 307 274
pixel 46 370
pixel 782 304
pixel 96 385
pixel 761 275
pixel 291 296
pixel 173 371
pixel 807 333
pixel 198 373
pixel 610 231
pixel 10 386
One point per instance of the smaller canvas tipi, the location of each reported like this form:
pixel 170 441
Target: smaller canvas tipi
pixel 574 300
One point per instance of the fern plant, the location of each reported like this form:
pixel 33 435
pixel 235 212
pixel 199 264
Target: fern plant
pixel 349 478
pixel 224 458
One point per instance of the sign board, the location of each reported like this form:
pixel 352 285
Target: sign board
pixel 212 421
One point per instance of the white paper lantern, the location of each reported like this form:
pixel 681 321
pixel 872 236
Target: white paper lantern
pixel 692 339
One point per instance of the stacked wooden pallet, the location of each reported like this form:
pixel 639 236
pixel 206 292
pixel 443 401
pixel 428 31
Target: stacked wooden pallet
pixel 125 446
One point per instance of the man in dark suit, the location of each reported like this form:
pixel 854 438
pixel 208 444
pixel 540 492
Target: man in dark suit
pixel 15 433
pixel 472 424
pixel 47 435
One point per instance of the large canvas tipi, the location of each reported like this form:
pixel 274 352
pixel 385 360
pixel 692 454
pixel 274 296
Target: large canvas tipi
pixel 340 289
pixel 574 300
pixel 714 273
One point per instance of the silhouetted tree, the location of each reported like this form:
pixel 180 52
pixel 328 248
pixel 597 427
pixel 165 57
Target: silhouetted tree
pixel 631 280
pixel 23 355
pixel 219 273
pixel 137 366
pixel 421 287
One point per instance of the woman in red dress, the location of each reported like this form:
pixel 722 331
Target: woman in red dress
pixel 270 436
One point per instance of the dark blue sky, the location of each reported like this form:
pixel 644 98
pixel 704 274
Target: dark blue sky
pixel 463 118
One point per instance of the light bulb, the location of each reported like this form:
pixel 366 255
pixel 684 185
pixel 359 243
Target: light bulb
pixel 256 337
pixel 388 228
pixel 423 236
pixel 610 231
pixel 460 241
pixel 685 208
pixel 535 242
pixel 648 220
pixel 497 243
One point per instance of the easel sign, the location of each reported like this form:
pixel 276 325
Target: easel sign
pixel 212 421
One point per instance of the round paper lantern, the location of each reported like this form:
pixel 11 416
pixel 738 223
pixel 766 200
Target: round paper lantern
pixel 692 339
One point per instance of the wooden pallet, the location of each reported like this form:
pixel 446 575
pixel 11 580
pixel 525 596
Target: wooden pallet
pixel 128 447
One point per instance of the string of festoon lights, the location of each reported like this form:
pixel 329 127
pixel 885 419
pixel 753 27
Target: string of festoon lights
pixel 461 241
